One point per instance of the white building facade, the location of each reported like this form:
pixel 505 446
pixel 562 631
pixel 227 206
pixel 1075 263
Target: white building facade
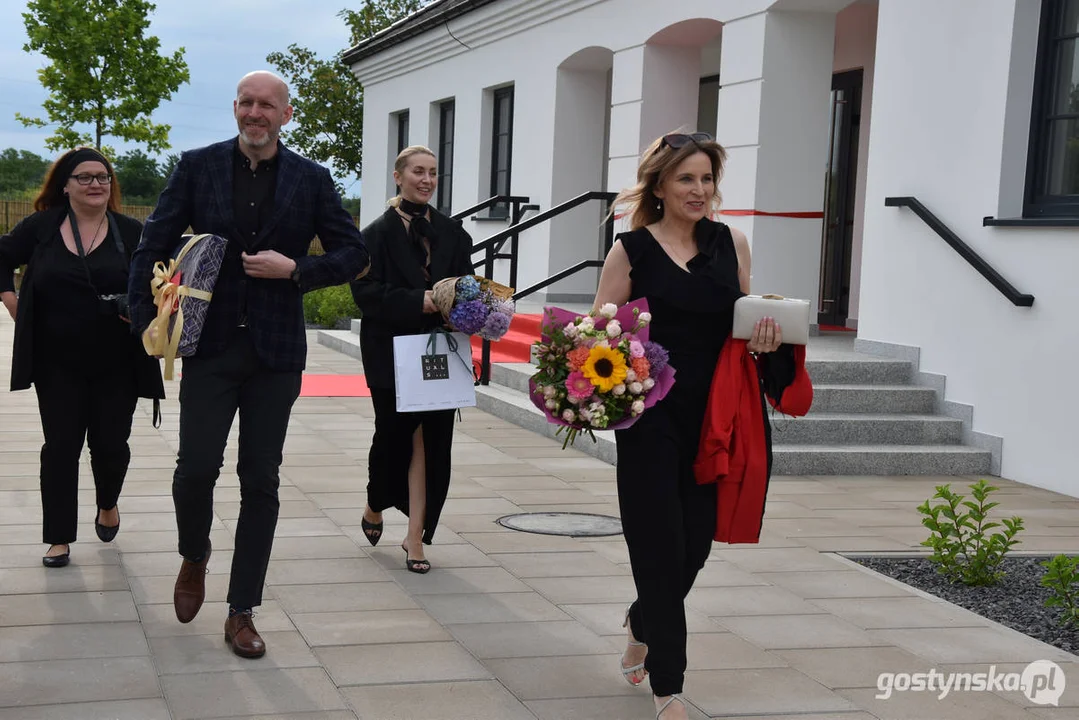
pixel 826 108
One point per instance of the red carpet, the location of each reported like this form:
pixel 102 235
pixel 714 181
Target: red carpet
pixel 835 328
pixel 516 345
pixel 334 386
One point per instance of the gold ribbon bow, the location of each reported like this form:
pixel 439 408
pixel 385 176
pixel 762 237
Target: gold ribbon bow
pixel 157 340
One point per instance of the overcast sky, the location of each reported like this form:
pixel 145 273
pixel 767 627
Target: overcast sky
pixel 223 39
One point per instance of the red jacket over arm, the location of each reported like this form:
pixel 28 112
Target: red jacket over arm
pixel 733 449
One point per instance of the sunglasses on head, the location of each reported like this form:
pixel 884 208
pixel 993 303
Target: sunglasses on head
pixel 678 140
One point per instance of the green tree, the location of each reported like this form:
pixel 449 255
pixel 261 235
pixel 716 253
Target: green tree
pixel 327 97
pixel 21 170
pixel 140 177
pixel 103 71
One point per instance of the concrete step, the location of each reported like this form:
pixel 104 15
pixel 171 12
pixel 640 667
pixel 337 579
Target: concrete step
pixel 905 399
pixel 879 460
pixel 873 399
pixel 869 371
pixel 788 459
pixel 343 341
pixel 865 429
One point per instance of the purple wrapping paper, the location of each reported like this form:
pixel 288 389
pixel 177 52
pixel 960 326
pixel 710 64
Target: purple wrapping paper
pixel 198 270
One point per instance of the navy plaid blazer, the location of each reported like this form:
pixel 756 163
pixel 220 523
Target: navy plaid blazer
pixel 199 195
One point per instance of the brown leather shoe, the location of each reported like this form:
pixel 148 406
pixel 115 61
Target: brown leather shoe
pixel 190 589
pixel 242 637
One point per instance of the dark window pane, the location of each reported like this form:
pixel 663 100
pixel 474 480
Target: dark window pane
pixel 503 152
pixel 1071 18
pixel 504 114
pixel 1067 77
pixel 1063 167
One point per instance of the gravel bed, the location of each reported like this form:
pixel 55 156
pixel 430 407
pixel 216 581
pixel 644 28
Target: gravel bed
pixel 1018 601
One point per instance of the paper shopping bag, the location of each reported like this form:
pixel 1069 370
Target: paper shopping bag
pixel 433 371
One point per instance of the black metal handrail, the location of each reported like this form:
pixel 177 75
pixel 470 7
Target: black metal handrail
pixel 560 275
pixel 543 217
pixel 965 251
pixel 492 246
pixel 514 200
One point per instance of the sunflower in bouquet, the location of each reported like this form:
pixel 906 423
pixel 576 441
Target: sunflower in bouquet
pixel 474 305
pixel 598 371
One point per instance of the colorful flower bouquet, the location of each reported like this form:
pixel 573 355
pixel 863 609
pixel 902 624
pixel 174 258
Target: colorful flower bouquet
pixel 598 371
pixel 475 305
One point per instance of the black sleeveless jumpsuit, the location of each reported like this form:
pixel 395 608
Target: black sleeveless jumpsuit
pixel 668 519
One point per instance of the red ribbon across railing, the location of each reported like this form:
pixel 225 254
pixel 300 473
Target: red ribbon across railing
pixel 813 215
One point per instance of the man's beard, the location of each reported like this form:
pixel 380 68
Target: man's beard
pixel 268 138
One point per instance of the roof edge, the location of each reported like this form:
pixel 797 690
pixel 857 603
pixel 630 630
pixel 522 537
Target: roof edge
pixel 419 22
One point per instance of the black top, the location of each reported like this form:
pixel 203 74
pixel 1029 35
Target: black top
pixel 692 312
pixel 253 195
pixel 29 243
pixel 391 295
pixel 692 317
pixel 69 314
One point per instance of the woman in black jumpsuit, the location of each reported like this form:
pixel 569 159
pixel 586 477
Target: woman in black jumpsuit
pixel 691 270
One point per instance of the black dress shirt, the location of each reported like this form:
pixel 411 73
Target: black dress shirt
pixel 253 194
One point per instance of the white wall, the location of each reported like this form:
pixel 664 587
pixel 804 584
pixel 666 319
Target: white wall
pixel 855 47
pixel 943 128
pixel 524 42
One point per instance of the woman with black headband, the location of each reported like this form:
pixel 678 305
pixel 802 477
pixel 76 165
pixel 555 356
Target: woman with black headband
pixel 412 247
pixel 73 342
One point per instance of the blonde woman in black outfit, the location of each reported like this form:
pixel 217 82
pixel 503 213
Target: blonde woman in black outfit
pixel 412 247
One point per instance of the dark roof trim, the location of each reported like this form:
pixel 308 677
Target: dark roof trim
pixel 426 18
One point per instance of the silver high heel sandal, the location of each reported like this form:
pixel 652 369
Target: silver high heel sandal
pixel 627 672
pixel 667 704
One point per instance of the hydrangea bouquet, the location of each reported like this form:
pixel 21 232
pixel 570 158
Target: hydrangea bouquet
pixel 475 305
pixel 598 371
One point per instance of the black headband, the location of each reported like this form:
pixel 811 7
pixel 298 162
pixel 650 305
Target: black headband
pixel 80 156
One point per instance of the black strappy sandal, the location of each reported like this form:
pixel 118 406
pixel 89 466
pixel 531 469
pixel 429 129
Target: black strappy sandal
pixel 421 567
pixel 372 531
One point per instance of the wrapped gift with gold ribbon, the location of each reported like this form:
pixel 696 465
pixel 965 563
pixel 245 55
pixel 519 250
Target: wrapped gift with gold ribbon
pixel 182 292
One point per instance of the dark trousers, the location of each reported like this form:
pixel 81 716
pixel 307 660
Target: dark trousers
pixel 668 521
pixel 391 454
pixel 80 402
pixel 211 391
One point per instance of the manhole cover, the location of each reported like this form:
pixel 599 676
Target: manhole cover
pixel 563 523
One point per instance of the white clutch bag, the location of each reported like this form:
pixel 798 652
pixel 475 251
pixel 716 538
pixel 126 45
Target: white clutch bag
pixel 791 315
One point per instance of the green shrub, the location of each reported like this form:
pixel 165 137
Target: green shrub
pixel 1062 579
pixel 962 549
pixel 328 305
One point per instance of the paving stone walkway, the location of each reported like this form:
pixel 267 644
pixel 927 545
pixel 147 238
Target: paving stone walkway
pixel 508 625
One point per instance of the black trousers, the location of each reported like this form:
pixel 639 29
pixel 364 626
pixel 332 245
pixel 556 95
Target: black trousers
pixel 79 402
pixel 391 454
pixel 212 390
pixel 668 521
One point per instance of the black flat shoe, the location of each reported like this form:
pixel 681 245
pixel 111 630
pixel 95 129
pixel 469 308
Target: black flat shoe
pixel 373 531
pixel 104 532
pixel 421 567
pixel 57 561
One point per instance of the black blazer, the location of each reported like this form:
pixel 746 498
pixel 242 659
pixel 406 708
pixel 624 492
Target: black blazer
pixel 199 196
pixel 22 246
pixel 391 295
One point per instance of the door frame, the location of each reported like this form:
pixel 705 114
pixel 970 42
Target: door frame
pixel 837 233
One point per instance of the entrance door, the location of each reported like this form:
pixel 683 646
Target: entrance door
pixel 840 181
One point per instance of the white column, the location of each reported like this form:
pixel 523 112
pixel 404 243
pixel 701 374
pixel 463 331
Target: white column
pixel 627 93
pixel 773 118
